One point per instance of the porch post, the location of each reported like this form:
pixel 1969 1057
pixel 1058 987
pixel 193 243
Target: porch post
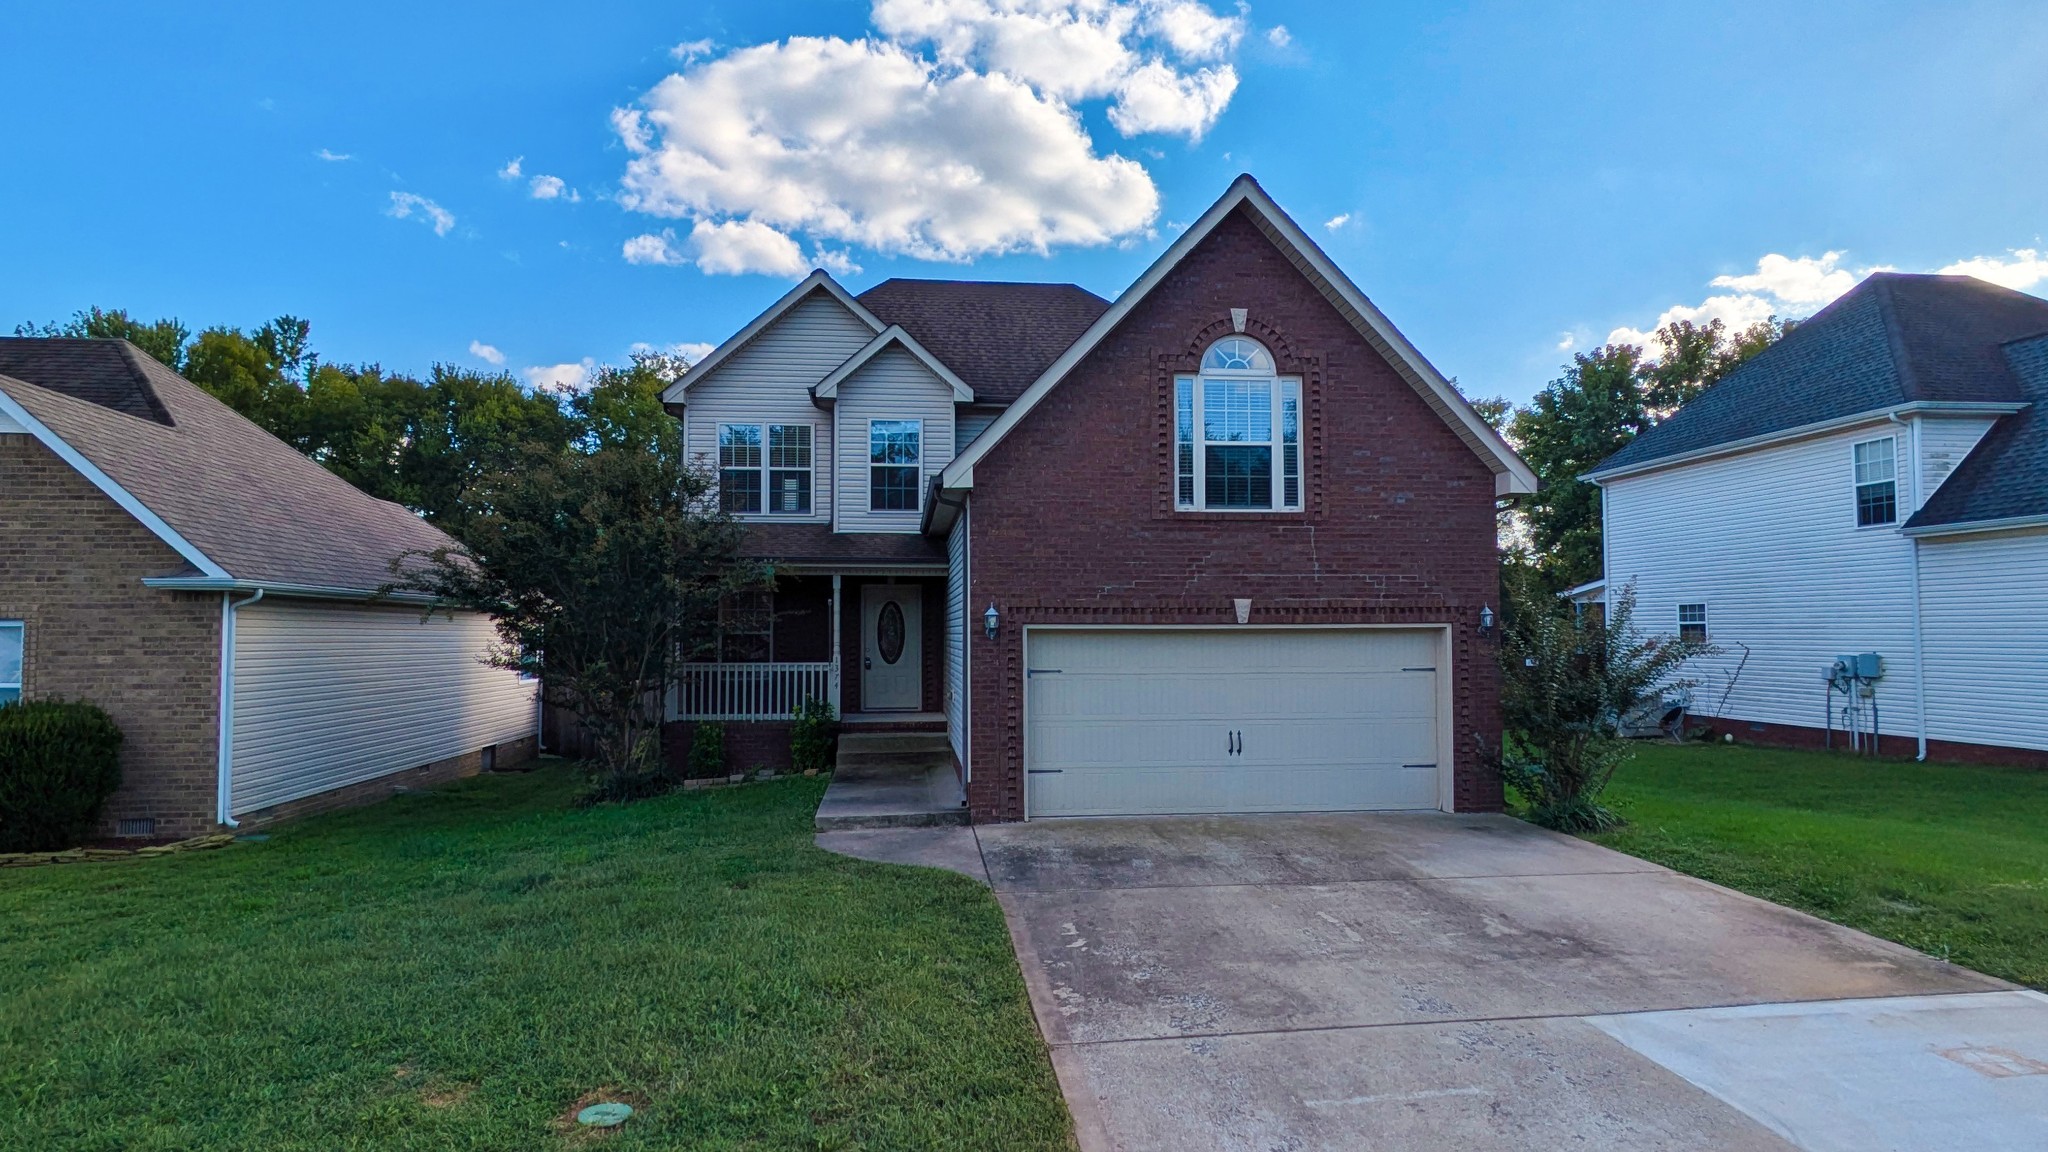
pixel 837 710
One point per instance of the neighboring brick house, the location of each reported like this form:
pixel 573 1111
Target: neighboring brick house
pixel 213 590
pixel 1223 545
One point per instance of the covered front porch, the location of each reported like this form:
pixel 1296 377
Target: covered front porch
pixel 869 641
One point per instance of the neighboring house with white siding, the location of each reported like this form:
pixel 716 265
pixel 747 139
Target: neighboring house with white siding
pixel 217 593
pixel 1875 482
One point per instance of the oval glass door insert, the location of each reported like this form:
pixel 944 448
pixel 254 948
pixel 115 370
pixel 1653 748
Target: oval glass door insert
pixel 889 632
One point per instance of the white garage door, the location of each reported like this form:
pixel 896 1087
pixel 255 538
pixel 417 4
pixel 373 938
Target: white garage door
pixel 1239 720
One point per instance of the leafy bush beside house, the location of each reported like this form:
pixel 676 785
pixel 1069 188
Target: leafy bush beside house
pixel 707 750
pixel 59 761
pixel 1567 679
pixel 811 736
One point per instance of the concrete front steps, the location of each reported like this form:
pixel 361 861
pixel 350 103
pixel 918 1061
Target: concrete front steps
pixel 892 780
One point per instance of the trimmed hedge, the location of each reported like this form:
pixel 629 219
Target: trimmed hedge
pixel 59 761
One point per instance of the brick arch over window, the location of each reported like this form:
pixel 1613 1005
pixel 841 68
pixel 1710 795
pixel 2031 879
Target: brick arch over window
pixel 1288 360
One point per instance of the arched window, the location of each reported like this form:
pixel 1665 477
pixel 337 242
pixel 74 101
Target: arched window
pixel 1237 432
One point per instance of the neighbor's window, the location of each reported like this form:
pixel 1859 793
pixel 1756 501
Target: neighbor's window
pixel 12 633
pixel 777 481
pixel 1877 490
pixel 894 453
pixel 746 627
pixel 1692 621
pixel 1237 432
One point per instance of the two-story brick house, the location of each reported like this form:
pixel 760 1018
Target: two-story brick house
pixel 1224 544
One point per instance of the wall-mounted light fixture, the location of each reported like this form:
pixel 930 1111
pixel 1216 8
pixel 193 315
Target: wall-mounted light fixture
pixel 1486 620
pixel 990 619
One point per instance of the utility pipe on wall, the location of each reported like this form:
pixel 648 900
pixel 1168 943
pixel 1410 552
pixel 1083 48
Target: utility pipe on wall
pixel 225 775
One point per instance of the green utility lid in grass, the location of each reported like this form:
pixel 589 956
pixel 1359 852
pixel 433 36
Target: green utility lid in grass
pixel 604 1115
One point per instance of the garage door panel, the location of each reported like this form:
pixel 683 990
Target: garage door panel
pixel 1123 722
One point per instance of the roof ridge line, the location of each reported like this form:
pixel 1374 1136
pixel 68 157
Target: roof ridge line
pixel 1895 337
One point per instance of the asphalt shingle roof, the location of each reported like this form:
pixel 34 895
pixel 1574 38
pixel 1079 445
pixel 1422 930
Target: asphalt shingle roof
pixel 997 337
pixel 252 504
pixel 2006 475
pixel 817 543
pixel 1893 339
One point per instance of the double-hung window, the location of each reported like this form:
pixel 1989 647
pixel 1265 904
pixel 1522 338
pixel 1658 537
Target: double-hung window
pixel 13 635
pixel 1692 621
pixel 765 467
pixel 1877 488
pixel 895 455
pixel 1237 433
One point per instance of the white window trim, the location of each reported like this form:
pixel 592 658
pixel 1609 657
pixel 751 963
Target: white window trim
pixel 767 468
pixel 1283 387
pixel 1856 487
pixel 1702 621
pixel 20 629
pixel 868 455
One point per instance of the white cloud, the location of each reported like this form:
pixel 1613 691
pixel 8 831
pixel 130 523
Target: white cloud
pixel 1157 98
pixel 554 188
pixel 333 157
pixel 1195 33
pixel 486 353
pixel 2026 268
pixel 405 204
pixel 1806 280
pixel 1337 221
pixel 865 143
pixel 737 247
pixel 690 50
pixel 1278 36
pixel 1566 341
pixel 561 377
pixel 511 170
pixel 690 351
pixel 653 248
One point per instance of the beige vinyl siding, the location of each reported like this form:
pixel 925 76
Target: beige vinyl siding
pixel 972 424
pixel 1768 541
pixel 328 695
pixel 959 634
pixel 769 382
pixel 1984 613
pixel 894 385
pixel 1943 444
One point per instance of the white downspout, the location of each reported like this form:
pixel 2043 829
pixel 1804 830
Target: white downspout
pixel 1919 646
pixel 225 775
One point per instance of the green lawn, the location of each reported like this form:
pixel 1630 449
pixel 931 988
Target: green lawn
pixel 1947 859
pixel 456 969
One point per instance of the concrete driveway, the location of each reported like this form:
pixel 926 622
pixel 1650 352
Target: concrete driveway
pixel 1426 982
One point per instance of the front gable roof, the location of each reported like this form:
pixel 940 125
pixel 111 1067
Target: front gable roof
pixel 999 335
pixel 2004 479
pixel 238 505
pixel 1511 474
pixel 818 281
pixel 891 337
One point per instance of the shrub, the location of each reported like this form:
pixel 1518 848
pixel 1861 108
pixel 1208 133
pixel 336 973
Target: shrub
pixel 707 750
pixel 811 737
pixel 59 761
pixel 1567 678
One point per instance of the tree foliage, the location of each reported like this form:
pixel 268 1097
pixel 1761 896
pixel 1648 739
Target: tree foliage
pixel 1605 399
pixel 1567 679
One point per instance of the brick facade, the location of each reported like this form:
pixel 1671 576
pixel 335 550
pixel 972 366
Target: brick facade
pixel 1903 745
pixel 1073 521
pixel 509 756
pixel 71 567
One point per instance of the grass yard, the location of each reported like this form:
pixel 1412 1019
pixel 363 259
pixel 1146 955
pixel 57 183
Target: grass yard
pixel 1948 859
pixel 458 969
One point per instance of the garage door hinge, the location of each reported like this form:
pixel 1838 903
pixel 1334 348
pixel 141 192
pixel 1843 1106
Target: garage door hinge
pixel 1418 669
pixel 1043 771
pixel 1418 765
pixel 1030 672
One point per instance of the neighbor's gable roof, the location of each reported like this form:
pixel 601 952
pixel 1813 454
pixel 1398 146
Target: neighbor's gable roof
pixel 1511 474
pixel 818 281
pixel 891 337
pixel 1894 342
pixel 2004 479
pixel 239 505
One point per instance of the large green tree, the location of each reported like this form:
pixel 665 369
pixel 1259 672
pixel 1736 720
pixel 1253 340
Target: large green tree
pixel 1604 399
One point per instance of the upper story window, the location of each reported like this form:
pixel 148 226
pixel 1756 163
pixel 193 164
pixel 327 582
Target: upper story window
pixel 895 456
pixel 1877 489
pixel 1692 621
pixel 746 627
pixel 765 467
pixel 1237 432
pixel 12 635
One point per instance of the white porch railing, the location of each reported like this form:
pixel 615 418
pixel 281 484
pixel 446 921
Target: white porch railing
pixel 751 691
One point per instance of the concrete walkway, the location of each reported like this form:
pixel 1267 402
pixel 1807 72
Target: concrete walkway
pixel 1427 982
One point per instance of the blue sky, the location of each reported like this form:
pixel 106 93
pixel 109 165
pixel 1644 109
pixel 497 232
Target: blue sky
pixel 1512 180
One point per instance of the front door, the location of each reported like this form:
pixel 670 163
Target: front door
pixel 891 648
